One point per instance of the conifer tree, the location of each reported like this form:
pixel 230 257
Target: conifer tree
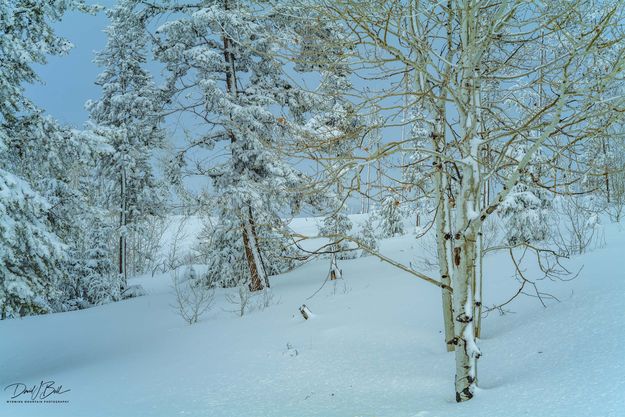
pixel 129 109
pixel 224 72
pixel 390 217
pixel 59 164
pixel 525 210
pixel 33 255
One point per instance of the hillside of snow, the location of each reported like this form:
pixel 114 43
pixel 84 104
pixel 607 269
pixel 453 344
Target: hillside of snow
pixel 373 347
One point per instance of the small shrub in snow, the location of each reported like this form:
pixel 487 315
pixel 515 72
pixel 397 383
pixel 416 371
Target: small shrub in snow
pixel 193 297
pixel 367 236
pixel 338 224
pixel 265 299
pixel 579 224
pixel 246 301
pixel 525 212
pixel 389 214
pixel 241 299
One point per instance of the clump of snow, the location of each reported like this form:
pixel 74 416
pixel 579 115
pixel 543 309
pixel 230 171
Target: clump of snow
pixel 133 291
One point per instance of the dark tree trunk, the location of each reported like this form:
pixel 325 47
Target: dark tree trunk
pixel 256 283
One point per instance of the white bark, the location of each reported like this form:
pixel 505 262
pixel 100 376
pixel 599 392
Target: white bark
pixel 466 209
pixel 442 246
pixel 335 271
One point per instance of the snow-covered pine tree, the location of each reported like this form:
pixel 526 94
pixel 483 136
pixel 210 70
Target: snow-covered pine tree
pixel 224 74
pixel 221 247
pixel 616 179
pixel 526 209
pixel 93 280
pixel 31 253
pixel 335 127
pixel 34 258
pixel 28 38
pixel 337 224
pixel 367 236
pixel 390 217
pixel 59 163
pixel 129 109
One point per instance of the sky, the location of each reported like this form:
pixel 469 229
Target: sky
pixel 69 81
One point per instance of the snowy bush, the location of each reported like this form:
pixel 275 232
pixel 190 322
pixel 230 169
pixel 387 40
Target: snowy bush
pixel 526 215
pixel 240 298
pixel 367 236
pixel 338 224
pixel 578 225
pixel 390 217
pixel 225 254
pixel 30 265
pixel 193 297
pixel 132 291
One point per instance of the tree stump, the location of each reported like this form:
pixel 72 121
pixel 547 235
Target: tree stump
pixel 305 312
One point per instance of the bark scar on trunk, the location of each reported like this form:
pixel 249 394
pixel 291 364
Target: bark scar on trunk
pixel 457 251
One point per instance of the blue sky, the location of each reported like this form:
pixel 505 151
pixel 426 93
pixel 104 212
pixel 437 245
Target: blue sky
pixel 68 81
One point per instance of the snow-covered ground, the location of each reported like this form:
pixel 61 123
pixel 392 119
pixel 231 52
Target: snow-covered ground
pixel 374 347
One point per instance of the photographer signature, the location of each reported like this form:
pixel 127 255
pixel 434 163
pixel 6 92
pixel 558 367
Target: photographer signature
pixel 39 391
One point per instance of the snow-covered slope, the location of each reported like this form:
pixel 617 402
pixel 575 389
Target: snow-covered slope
pixel 374 347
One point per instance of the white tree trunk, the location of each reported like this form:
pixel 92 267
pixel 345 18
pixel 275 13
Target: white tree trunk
pixel 464 256
pixel 467 206
pixel 442 247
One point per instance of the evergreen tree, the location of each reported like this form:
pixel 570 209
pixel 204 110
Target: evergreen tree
pixel 129 109
pixel 103 282
pixel 367 236
pixel 390 217
pixel 33 255
pixel 338 225
pixel 59 163
pixel 526 209
pixel 223 70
